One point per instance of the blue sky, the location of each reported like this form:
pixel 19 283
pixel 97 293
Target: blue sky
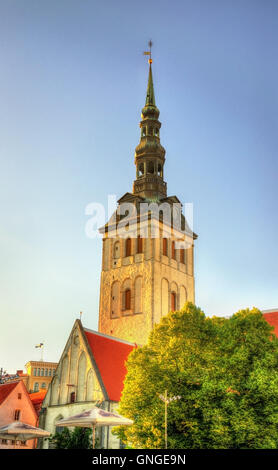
pixel 72 85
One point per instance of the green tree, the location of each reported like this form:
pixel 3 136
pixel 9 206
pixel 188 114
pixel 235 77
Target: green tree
pixel 78 438
pixel 225 371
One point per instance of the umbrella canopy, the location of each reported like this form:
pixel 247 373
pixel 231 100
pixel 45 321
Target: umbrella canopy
pixel 95 417
pixel 18 431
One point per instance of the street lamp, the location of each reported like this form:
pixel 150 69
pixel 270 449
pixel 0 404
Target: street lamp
pixel 167 400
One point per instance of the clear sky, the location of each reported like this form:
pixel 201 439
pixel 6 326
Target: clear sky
pixel 72 84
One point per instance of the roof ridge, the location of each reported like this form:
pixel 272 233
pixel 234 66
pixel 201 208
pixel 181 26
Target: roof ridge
pixel 109 337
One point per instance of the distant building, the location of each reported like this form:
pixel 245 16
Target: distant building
pixel 15 405
pixel 38 377
pixel 91 371
pixel 39 374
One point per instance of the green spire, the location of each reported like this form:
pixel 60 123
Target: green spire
pixel 150 100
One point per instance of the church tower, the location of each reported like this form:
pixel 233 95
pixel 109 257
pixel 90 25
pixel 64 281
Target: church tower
pixel 147 255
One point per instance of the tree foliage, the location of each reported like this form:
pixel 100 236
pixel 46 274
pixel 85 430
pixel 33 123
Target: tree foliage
pixel 225 371
pixel 78 438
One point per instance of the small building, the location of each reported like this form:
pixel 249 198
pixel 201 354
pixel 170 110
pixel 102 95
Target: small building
pixel 40 374
pixel 38 377
pixel 15 405
pixel 90 372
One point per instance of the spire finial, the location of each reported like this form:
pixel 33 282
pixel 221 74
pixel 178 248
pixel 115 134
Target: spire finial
pixel 149 53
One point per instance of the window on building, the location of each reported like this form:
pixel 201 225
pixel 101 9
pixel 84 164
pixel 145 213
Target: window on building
pixel 45 372
pixel 139 244
pixel 53 372
pixel 150 168
pixel 35 371
pixel 36 387
pixel 19 395
pixel 16 415
pixel 173 250
pixel 43 385
pixel 173 301
pixel 49 372
pixel 182 255
pixel 141 169
pixel 128 247
pixel 165 247
pixel 42 372
pixel 72 397
pixel 4 441
pixel 127 299
pixel 39 372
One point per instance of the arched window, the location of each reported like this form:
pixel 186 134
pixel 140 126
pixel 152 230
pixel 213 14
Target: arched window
pixel 39 372
pixel 127 299
pixel 159 169
pixel 36 387
pixel 173 250
pixel 182 255
pixel 165 247
pixel 81 377
pixel 128 247
pixel 42 372
pixel 43 385
pixel 141 169
pixel 173 301
pixel 35 371
pixel 151 167
pixel 139 244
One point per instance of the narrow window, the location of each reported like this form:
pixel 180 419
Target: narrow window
pixel 127 299
pixel 165 247
pixel 173 301
pixel 173 250
pixel 72 397
pixel 128 247
pixel 19 395
pixel 39 372
pixel 16 415
pixel 35 371
pixel 139 245
pixel 182 256
pixel 42 372
pixel 49 372
pixel 36 387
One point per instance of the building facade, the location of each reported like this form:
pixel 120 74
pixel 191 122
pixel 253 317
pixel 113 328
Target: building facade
pixel 15 405
pixel 40 374
pixel 90 372
pixel 148 269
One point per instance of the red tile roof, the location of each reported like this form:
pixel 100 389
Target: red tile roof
pixel 271 316
pixel 5 390
pixel 37 397
pixel 110 355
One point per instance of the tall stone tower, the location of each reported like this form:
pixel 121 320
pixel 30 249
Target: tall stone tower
pixel 147 255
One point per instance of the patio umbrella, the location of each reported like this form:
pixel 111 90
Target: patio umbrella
pixel 18 431
pixel 95 417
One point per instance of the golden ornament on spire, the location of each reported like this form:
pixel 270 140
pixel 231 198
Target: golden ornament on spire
pixel 149 53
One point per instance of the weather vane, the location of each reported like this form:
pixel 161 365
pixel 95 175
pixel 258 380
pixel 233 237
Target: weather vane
pixel 149 53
